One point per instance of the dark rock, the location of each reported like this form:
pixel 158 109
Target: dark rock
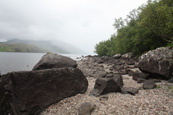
pixel 54 61
pixel 131 62
pixel 105 58
pixel 140 80
pixel 159 61
pixel 4 104
pixel 149 84
pixel 109 75
pixel 130 90
pixel 156 80
pixel 136 73
pixel 86 108
pixel 170 80
pixel 107 85
pixel 170 113
pixel 31 92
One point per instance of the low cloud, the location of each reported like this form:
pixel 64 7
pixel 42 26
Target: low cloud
pixel 82 23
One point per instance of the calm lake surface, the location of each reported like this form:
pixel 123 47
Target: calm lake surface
pixel 22 61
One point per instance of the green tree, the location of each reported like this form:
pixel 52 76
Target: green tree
pixel 158 17
pixel 148 27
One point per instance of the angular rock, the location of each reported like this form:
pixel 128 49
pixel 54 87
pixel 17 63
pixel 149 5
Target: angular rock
pixel 54 61
pixel 108 84
pixel 86 108
pixel 31 92
pixel 130 90
pixel 149 84
pixel 159 61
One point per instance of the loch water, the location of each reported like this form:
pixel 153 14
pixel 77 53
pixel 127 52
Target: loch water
pixel 12 61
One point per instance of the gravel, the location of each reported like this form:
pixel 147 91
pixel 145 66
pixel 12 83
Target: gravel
pixel 158 101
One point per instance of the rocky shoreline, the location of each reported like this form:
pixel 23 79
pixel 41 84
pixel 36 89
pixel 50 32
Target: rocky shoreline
pixel 118 85
pixel 134 99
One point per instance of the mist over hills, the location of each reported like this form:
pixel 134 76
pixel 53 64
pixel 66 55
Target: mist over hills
pixel 17 45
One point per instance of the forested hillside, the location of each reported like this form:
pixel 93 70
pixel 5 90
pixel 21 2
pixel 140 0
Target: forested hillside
pixel 17 45
pixel 148 27
pixel 20 47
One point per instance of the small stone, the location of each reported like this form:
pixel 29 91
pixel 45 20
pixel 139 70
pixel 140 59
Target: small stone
pixel 130 90
pixel 170 80
pixel 149 84
pixel 140 80
pixel 117 56
pixel 104 98
pixel 86 108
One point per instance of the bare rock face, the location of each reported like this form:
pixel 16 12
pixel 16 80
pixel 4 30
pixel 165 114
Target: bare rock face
pixel 107 84
pixel 159 61
pixel 54 61
pixel 31 92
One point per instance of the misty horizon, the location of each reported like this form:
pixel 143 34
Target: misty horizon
pixel 81 24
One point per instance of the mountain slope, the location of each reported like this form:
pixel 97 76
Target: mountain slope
pixel 20 47
pixel 16 45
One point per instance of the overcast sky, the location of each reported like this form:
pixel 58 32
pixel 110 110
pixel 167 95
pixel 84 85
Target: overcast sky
pixel 82 23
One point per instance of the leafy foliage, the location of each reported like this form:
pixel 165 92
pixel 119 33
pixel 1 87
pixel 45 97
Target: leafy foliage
pixel 148 27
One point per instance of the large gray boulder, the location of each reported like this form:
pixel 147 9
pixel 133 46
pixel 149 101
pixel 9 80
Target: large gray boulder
pixel 31 92
pixel 159 61
pixel 109 83
pixel 54 61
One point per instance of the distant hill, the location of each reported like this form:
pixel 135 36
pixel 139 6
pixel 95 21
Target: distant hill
pixel 20 47
pixel 16 45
